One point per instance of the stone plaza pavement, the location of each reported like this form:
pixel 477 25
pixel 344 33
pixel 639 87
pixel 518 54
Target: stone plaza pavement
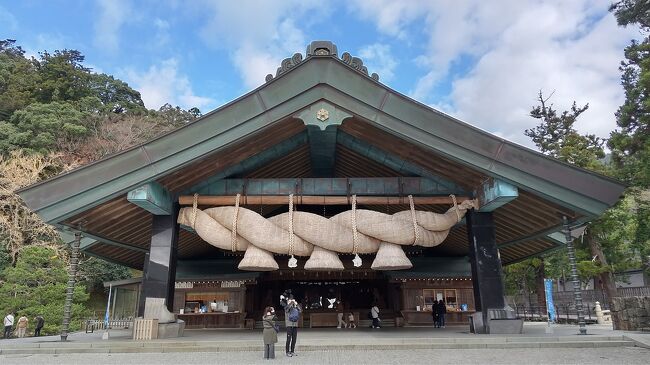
pixel 410 345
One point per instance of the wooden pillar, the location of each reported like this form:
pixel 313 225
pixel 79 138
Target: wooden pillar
pixel 487 274
pixel 159 274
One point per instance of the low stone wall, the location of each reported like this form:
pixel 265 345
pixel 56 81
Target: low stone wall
pixel 631 314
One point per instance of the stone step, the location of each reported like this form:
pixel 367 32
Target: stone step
pixel 323 345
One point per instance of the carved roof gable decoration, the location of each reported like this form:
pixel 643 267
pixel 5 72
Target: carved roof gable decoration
pixel 322 48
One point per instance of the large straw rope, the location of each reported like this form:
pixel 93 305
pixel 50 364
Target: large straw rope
pixel 360 231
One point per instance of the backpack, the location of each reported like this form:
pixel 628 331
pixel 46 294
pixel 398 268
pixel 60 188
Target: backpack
pixel 294 314
pixel 370 314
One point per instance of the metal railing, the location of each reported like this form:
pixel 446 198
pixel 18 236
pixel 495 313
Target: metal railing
pixel 566 313
pixel 90 325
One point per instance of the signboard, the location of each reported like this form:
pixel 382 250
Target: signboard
pixel 548 286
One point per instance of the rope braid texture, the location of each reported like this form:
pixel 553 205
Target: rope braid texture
pixel 366 229
pixel 355 233
pixel 233 235
pixel 291 237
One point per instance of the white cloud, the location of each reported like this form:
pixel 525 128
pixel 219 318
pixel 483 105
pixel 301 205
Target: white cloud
pixel 516 48
pixel 378 58
pixel 162 83
pixel 113 14
pixel 258 33
pixel 391 16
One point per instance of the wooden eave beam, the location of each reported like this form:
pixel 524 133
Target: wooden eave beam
pixel 315 200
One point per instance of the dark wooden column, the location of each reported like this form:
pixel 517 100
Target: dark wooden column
pixel 159 274
pixel 487 275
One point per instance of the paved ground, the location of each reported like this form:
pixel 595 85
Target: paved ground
pixel 326 347
pixel 531 329
pixel 608 356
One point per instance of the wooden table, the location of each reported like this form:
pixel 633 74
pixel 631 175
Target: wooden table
pixel 213 320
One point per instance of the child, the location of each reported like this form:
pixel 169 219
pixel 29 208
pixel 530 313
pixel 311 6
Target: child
pixel 351 323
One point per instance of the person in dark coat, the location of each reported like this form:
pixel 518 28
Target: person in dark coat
pixel 442 311
pixel 40 322
pixel 269 333
pixel 291 306
pixel 434 314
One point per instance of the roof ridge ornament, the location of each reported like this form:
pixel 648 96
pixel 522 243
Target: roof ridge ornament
pixel 322 48
pixel 286 65
pixel 357 64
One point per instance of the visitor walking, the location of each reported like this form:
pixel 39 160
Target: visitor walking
pixel 339 315
pixel 434 314
pixel 9 324
pixel 269 333
pixel 22 326
pixel 291 317
pixel 40 322
pixel 374 313
pixel 442 311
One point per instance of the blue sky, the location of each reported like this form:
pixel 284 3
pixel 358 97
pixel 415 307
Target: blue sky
pixel 481 61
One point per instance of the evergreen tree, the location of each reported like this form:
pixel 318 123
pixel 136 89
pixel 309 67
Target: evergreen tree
pixel 630 143
pixel 36 285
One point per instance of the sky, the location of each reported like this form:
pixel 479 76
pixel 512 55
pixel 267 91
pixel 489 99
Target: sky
pixel 483 62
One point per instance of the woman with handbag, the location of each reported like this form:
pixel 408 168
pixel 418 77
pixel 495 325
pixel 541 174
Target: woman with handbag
pixel 269 333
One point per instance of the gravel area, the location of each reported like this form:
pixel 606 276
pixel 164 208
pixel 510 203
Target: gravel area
pixel 608 356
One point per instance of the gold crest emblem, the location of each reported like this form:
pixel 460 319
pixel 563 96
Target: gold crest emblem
pixel 322 115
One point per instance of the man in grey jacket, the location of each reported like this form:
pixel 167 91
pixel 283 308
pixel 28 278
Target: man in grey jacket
pixel 292 312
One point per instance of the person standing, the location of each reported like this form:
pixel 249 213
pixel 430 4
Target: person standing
pixel 269 333
pixel 22 326
pixel 291 317
pixel 40 322
pixel 374 313
pixel 434 314
pixel 9 323
pixel 442 311
pixel 339 315
pixel 351 323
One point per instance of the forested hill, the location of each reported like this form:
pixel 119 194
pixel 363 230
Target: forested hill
pixel 57 114
pixel 54 103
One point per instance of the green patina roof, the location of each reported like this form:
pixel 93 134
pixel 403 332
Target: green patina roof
pixel 318 79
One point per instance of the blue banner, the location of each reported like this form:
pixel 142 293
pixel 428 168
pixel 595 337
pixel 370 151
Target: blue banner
pixel 548 286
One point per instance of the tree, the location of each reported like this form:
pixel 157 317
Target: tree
pixel 115 95
pixel 36 285
pixel 94 272
pixel 61 76
pixel 557 137
pixel 38 127
pixel 17 79
pixel 630 143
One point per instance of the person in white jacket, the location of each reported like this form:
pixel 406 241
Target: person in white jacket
pixel 374 313
pixel 9 323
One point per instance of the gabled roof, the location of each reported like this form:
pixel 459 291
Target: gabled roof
pixel 268 115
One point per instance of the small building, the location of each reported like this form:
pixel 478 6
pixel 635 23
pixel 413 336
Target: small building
pixel 226 213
